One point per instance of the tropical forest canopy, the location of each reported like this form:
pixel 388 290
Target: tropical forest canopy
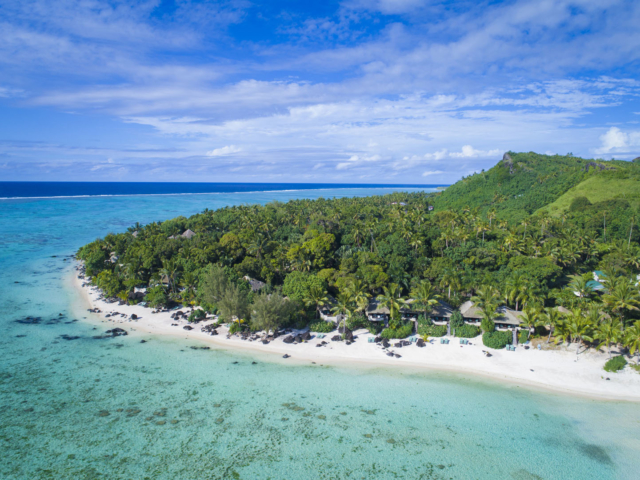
pixel 525 233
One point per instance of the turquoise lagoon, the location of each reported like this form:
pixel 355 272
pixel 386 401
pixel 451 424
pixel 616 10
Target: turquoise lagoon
pixel 82 408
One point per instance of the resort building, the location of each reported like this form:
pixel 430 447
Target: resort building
pixel 440 314
pixel 507 319
pixel 472 315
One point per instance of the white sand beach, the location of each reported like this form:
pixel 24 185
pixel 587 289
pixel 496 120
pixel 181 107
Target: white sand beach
pixel 556 370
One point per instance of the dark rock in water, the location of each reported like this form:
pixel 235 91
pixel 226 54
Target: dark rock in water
pixel 187 327
pixel 20 336
pixel 286 355
pixel 69 337
pixel 30 320
pixel 288 339
pixel 254 363
pixel 117 332
pixel 143 341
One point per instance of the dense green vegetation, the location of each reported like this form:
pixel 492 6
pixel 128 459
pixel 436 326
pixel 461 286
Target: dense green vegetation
pixel 615 364
pixel 488 239
pixel 497 339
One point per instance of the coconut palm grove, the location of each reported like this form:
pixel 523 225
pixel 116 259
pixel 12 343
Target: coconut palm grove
pixel 553 239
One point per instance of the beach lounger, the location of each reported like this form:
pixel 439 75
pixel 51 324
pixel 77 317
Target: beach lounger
pixel 371 339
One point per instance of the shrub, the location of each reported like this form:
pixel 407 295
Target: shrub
pixel 322 327
pixel 357 321
pixel 402 331
pixel 523 336
pixel 616 363
pixel 457 320
pixel 432 330
pixel 497 340
pixel 466 331
pixel 422 320
pixel 156 297
pixel 234 328
pixel 197 315
pixel 375 327
pixel 487 325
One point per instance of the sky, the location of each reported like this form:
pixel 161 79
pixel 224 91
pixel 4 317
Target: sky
pixel 350 91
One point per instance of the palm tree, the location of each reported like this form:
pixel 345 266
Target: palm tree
pixel 580 284
pixel 623 297
pixel 524 224
pixel 576 329
pixel 517 289
pixel 359 294
pixel 529 318
pixel 632 339
pixel 450 280
pixel 424 296
pixel 550 318
pixel 343 307
pixel 316 296
pixel 391 299
pixel 188 282
pixel 609 332
pixel 170 271
pixel 487 299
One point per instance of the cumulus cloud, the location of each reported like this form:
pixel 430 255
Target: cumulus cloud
pixel 617 141
pixel 468 151
pixel 224 151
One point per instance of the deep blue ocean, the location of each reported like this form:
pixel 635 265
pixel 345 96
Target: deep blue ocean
pixel 76 407
pixel 81 189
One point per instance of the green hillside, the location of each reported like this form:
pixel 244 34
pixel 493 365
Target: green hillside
pixel 522 184
pixel 600 188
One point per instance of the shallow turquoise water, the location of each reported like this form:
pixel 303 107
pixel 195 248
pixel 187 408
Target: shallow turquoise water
pixel 246 420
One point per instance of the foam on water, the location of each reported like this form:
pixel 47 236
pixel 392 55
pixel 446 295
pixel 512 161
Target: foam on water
pixel 78 407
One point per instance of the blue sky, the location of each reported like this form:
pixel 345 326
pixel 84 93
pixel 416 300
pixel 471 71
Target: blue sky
pixel 370 91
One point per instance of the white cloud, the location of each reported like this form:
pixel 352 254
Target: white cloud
pixel 221 152
pixel 617 141
pixel 468 151
pixel 432 172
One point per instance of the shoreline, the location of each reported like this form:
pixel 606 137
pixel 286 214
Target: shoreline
pixel 554 371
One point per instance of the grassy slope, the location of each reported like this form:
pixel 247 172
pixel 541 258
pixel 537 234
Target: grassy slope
pixel 515 190
pixel 599 188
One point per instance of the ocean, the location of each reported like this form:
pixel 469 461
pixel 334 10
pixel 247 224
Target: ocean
pixel 83 408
